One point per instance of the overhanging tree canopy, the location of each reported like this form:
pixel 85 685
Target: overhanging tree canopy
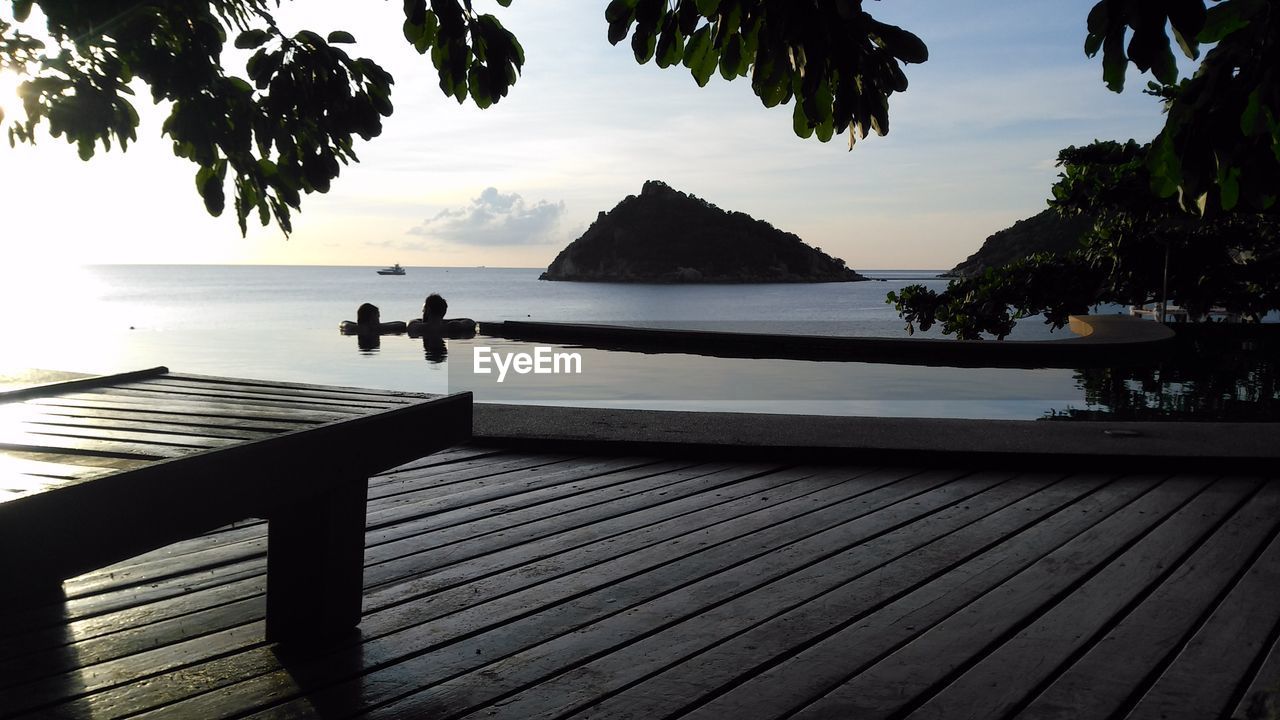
pixel 287 124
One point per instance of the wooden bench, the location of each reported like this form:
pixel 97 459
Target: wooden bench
pixel 98 470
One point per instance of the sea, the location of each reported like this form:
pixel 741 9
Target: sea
pixel 281 323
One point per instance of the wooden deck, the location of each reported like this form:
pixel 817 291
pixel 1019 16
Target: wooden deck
pixel 517 585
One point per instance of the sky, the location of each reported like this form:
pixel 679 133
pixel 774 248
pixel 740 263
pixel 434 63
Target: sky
pixel 971 149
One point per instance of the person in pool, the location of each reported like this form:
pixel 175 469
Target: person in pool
pixel 369 322
pixel 433 322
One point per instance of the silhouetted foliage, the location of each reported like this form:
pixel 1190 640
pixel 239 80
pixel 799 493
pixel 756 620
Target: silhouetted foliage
pixel 1220 145
pixel 1227 260
pixel 664 235
pixel 287 125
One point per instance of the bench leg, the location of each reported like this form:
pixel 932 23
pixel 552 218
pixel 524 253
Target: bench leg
pixel 315 564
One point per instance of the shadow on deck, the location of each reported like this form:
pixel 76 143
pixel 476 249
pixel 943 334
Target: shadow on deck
pixel 516 584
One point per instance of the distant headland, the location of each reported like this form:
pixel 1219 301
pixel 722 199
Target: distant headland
pixel 663 235
pixel 1046 231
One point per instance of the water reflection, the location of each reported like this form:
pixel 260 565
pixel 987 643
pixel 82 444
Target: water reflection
pixel 434 348
pixel 1210 376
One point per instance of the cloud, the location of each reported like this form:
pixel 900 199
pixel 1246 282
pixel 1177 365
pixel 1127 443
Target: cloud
pixel 494 218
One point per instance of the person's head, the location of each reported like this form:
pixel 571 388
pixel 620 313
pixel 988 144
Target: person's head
pixel 435 307
pixel 368 314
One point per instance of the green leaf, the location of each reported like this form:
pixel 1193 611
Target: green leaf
pixel 1165 67
pixel 1114 62
pixel 800 123
pixel 1229 187
pixel 250 39
pixel 1097 19
pixel 643 43
pixel 700 57
pixel 341 37
pixel 1220 21
pixel 1190 48
pixel 670 46
pixel 309 38
pixel 708 7
pixel 901 44
pixel 1162 163
pixel 730 56
pixel 1252 110
pixel 1092 43
pixel 620 14
pixel 619 10
pixel 210 187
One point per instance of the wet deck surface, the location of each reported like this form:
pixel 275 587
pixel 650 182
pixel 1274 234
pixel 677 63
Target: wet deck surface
pixel 520 585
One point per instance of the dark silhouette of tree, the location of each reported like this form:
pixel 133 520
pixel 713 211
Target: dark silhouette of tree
pixel 1141 249
pixel 288 125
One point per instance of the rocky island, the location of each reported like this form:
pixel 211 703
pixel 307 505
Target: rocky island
pixel 1046 231
pixel 663 235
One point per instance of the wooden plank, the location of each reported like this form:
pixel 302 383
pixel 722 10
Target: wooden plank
pixel 28 464
pixel 973 554
pixel 59 388
pixel 466 477
pixel 392 562
pixel 38 697
pixel 1121 662
pixel 187 384
pixel 644 536
pixel 1262 697
pixel 131 436
pixel 1205 677
pixel 1002 681
pixel 891 683
pixel 166 428
pixel 126 638
pixel 35 618
pixel 428 501
pixel 161 569
pixel 78 414
pixel 86 461
pixel 201 410
pixel 375 392
pixel 597 590
pixel 158 398
pixel 218 486
pixel 773 688
pixel 694 616
pixel 18 484
pixel 131 641
pixel 34 443
pixel 410 476
pixel 580 504
pixel 388 626
pixel 189 394
pixel 450 456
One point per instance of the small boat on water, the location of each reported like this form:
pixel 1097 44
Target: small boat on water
pixel 393 270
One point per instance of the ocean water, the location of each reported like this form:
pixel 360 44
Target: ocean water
pixel 280 323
